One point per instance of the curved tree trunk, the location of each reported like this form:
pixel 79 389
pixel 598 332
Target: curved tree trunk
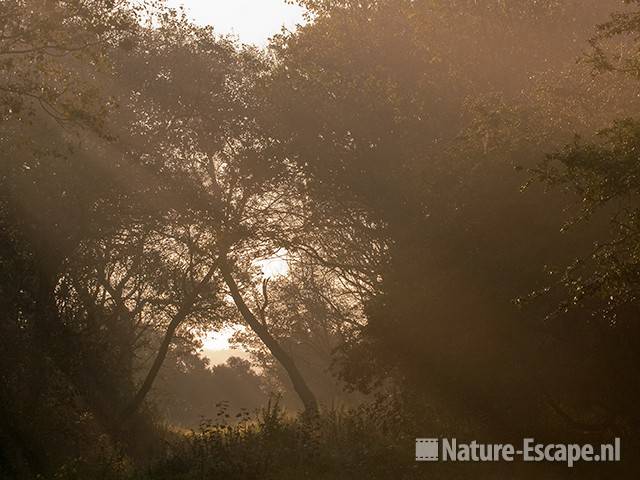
pixel 177 320
pixel 144 389
pixel 299 384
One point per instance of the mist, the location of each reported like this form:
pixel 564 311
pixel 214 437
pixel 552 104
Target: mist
pixel 392 224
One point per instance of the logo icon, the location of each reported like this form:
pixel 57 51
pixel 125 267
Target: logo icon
pixel 426 449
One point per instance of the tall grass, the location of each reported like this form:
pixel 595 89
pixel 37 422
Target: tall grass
pixel 337 444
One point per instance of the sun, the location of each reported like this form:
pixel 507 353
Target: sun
pixel 275 266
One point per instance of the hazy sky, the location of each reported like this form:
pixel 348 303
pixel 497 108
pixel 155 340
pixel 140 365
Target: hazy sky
pixel 253 21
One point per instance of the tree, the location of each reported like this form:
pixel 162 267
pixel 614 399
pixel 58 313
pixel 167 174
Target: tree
pixel 313 311
pixel 384 106
pixel 213 175
pixel 53 56
pixel 600 171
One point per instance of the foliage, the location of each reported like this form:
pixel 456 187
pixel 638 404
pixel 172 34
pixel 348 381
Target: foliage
pixel 148 168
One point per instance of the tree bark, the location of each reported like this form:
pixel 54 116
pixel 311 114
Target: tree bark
pixel 299 384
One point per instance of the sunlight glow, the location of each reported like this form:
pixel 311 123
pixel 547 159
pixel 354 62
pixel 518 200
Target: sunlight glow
pixel 276 266
pixel 219 340
pixel 252 21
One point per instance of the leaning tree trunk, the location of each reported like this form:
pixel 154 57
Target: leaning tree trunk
pixel 161 355
pixel 299 384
